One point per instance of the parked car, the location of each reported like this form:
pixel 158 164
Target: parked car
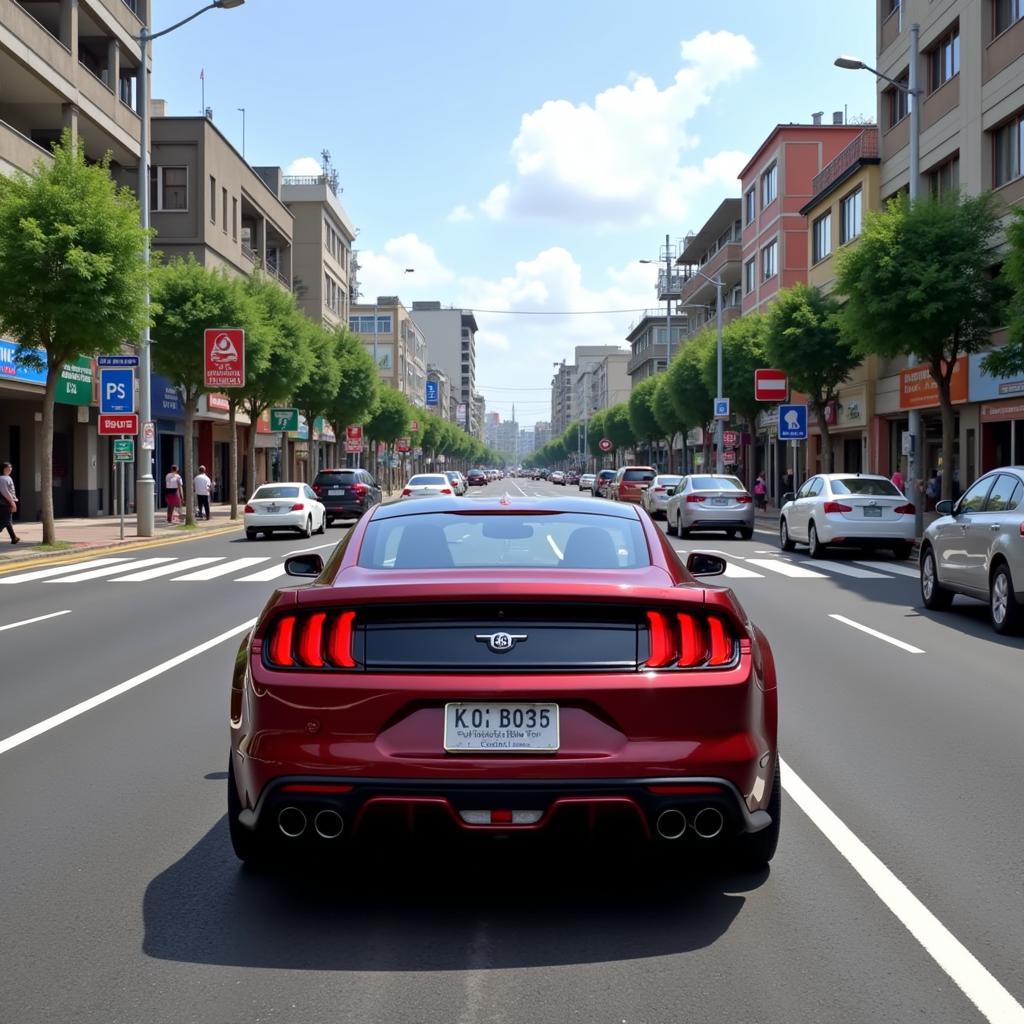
pixel 346 493
pixel 630 482
pixel 602 482
pixel 476 478
pixel 976 548
pixel 558 477
pixel 587 482
pixel 655 498
pixel 633 699
pixel 857 510
pixel 427 485
pixel 709 501
pixel 290 506
pixel 571 478
pixel 459 484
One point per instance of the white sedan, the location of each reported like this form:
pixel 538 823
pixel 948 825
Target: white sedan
pixel 428 485
pixel 287 506
pixel 854 510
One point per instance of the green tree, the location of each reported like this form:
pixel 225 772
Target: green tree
pixel 665 413
pixel 691 397
pixel 358 384
pixel 388 421
pixel 919 282
pixel 617 428
pixel 642 421
pixel 595 431
pixel 187 299
pixel 805 338
pixel 316 395
pixel 1009 359
pixel 743 352
pixel 72 282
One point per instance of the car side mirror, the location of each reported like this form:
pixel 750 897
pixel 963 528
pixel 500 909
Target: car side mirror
pixel 670 492
pixel 310 564
pixel 944 507
pixel 788 496
pixel 700 564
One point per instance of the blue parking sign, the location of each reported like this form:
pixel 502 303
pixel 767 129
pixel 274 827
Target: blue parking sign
pixel 792 422
pixel 117 390
pixel 432 393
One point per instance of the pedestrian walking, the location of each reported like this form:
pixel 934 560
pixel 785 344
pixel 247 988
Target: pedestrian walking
pixel 898 481
pixel 787 481
pixel 173 487
pixel 761 492
pixel 8 502
pixel 932 490
pixel 202 484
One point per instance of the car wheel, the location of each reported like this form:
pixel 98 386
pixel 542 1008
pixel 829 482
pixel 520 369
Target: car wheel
pixel 308 531
pixel 1002 606
pixel 323 524
pixel 814 546
pixel 328 521
pixel 935 596
pixel 670 525
pixel 250 848
pixel 747 533
pixel 902 551
pixel 753 851
pixel 784 539
pixel 731 534
pixel 251 534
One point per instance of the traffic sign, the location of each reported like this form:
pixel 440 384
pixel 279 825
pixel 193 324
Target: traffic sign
pixel 402 444
pixel 730 438
pixel 721 408
pixel 117 391
pixel 771 385
pixel 224 363
pixel 354 447
pixel 354 432
pixel 124 451
pixel 284 419
pixel 433 396
pixel 415 426
pixel 148 441
pixel 792 422
pixel 109 423
pixel 605 444
pixel 113 361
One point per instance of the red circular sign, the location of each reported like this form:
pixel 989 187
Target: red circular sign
pixel 605 445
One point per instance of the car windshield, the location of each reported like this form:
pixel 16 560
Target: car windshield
pixel 338 476
pixel 563 540
pixel 427 478
pixel 716 483
pixel 873 486
pixel 278 491
pixel 638 474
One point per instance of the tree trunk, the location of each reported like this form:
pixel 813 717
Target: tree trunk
pixel 53 372
pixel 190 465
pixel 233 457
pixel 826 438
pixel 250 447
pixel 948 429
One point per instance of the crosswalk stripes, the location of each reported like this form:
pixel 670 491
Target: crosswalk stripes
pixel 738 572
pixel 264 574
pixel 224 569
pixel 899 570
pixel 163 570
pixel 42 574
pixel 844 569
pixel 795 572
pixel 107 570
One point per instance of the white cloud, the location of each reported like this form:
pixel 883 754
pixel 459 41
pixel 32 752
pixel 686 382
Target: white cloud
pixel 306 166
pixel 385 273
pixel 620 159
pixel 460 214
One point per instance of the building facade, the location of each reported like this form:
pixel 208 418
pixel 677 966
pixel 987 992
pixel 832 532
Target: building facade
pixel 451 340
pixel 716 250
pixel 398 346
pixel 563 392
pixel 648 345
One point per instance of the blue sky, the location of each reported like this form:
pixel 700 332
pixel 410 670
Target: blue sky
pixel 520 156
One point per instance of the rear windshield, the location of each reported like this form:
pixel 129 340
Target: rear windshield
pixel 565 540
pixel 865 485
pixel 341 476
pixel 668 481
pixel 716 483
pixel 427 478
pixel 607 473
pixel 276 492
pixel 638 474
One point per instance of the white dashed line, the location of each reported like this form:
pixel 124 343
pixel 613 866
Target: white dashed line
pixel 909 648
pixel 38 618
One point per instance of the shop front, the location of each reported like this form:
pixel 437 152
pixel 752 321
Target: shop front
pixel 169 415
pixel 1001 415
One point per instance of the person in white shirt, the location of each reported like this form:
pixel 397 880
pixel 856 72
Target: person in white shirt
pixel 8 502
pixel 202 485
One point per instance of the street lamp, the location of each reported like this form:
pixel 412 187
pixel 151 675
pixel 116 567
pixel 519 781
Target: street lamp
pixel 913 94
pixel 144 484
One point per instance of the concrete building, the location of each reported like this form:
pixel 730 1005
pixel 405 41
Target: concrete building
pixel 451 340
pixel 64 64
pixel 502 436
pixel 563 404
pixel 477 411
pixel 715 250
pixel 445 407
pixel 541 434
pixel 609 380
pixel 648 346
pixel 397 344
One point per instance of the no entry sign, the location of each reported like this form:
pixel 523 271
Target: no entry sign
pixel 224 364
pixel 771 385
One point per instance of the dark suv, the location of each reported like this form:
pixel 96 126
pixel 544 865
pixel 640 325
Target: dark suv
pixel 476 478
pixel 346 493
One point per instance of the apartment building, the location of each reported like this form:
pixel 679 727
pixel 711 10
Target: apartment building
pixel 397 344
pixel 563 393
pixel 542 433
pixel 64 64
pixel 600 374
pixel 971 72
pixel 439 387
pixel 648 345
pixel 716 250
pixel 451 340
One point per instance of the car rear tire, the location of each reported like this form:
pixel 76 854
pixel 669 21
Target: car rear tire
pixel 747 533
pixel 323 524
pixel 814 546
pixel 250 848
pixel 752 851
pixel 251 534
pixel 784 539
pixel 328 521
pixel 1003 608
pixel 308 531
pixel 731 534
pixel 670 526
pixel 934 595
pixel 903 551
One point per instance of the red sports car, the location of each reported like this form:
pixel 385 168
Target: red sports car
pixel 507 666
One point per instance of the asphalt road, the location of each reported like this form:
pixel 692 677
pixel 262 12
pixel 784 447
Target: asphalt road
pixel 895 895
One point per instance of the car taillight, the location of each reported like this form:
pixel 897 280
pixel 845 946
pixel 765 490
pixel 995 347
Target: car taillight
pixel 360 488
pixel 905 510
pixel 836 506
pixel 297 507
pixel 406 491
pixel 695 497
pixel 317 488
pixel 249 509
pixel 315 640
pixel 686 641
pixel 744 499
pixel 446 490
pixel 659 488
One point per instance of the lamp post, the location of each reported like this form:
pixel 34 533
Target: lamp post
pixel 144 483
pixel 913 93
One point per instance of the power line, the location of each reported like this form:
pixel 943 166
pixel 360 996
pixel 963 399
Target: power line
pixel 552 312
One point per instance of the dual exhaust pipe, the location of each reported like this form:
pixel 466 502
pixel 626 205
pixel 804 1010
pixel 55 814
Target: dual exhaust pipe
pixel 707 823
pixel 292 823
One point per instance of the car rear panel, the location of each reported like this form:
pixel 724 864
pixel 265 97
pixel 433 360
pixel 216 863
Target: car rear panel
pixel 719 507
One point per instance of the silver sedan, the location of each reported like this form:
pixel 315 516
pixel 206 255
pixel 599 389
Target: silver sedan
pixel 709 501
pixel 655 498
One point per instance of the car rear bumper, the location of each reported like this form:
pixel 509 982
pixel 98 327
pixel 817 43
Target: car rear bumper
pixel 835 530
pixel 279 521
pixel 345 508
pixel 726 519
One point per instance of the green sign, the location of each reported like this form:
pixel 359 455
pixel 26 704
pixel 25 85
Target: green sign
pixel 124 451
pixel 75 384
pixel 284 419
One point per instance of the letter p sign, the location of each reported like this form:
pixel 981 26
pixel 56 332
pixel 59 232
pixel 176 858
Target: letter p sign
pixel 117 390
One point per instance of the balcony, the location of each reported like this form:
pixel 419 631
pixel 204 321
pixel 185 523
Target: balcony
pixel 892 25
pixel 726 262
pixel 652 353
pixel 18 152
pixel 670 285
pixel 864 147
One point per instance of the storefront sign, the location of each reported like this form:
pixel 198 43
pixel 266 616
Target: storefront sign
pixel 919 391
pixel 218 403
pixel 224 364
pixel 75 384
pixel 984 387
pixel 997 412
pixel 324 431
pixel 165 399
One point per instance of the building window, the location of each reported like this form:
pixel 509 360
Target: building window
pixel 821 241
pixel 213 199
pixel 224 209
pixel 750 205
pixel 896 101
pixel 889 7
pixel 945 179
pixel 1007 143
pixel 1006 13
pixel 364 324
pixel 769 260
pixel 234 218
pixel 944 59
pixel 168 189
pixel 749 274
pixel 850 210
pixel 769 185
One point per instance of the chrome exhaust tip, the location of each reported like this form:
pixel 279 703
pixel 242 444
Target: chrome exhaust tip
pixel 291 822
pixel 708 823
pixel 671 824
pixel 328 824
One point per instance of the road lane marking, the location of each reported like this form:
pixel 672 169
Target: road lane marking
pixel 115 691
pixel 993 1001
pixel 110 570
pixel 166 570
pixel 843 569
pixel 795 572
pixel 894 567
pixel 235 565
pixel 42 574
pixel 263 575
pixel 738 572
pixel 875 633
pixel 38 618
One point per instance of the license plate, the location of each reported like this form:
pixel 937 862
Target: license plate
pixel 271 508
pixel 872 513
pixel 501 728
pixel 719 501
pixel 336 492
